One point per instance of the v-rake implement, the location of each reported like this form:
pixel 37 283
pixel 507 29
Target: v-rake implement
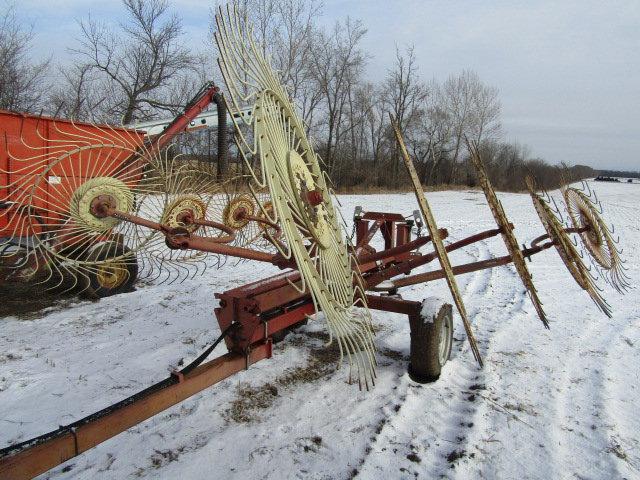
pixel 282 212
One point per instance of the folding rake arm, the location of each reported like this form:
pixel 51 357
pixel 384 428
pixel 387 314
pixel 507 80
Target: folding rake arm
pixel 405 267
pixel 184 240
pixel 388 254
pixel 468 267
pixel 181 238
pixel 536 241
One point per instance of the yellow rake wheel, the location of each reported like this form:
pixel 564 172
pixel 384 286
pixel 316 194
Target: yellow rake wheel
pixel 112 275
pixel 300 200
pixel 183 208
pixel 597 239
pixel 565 248
pixel 81 169
pixel 235 212
pixel 119 194
pixel 114 270
pixel 507 234
pixel 192 197
pixel 438 245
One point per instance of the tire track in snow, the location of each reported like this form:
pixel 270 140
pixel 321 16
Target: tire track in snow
pixel 561 394
pixel 452 404
pixel 505 409
pixel 621 390
pixel 502 308
pixel 591 422
pixel 580 431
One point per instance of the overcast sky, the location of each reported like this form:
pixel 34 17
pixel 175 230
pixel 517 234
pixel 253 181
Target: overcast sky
pixel 568 71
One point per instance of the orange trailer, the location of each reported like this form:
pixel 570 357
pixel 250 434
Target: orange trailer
pixel 48 166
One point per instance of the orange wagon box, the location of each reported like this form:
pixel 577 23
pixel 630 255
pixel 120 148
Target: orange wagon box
pixel 44 159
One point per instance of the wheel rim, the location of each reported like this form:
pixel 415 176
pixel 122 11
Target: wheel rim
pixel 445 342
pixel 112 275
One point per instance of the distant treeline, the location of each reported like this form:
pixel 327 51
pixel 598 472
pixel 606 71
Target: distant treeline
pixel 618 173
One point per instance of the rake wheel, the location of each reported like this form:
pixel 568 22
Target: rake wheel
pixel 506 230
pixel 183 208
pixel 438 245
pixel 114 271
pixel 565 248
pixel 234 213
pixel 55 192
pixel 300 200
pixel 191 195
pixel 597 239
pixel 232 205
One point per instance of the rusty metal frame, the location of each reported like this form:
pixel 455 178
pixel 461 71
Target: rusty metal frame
pixel 38 455
pixel 182 239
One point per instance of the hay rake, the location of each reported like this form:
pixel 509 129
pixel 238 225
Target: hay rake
pixel 280 211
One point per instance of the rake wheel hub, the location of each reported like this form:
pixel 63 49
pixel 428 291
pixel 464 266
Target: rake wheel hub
pixel 182 211
pixel 236 212
pixel 597 239
pixel 592 229
pixel 112 274
pixel 309 199
pixel 101 204
pixel 90 201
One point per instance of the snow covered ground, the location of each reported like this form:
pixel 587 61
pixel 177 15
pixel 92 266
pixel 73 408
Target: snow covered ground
pixel 559 403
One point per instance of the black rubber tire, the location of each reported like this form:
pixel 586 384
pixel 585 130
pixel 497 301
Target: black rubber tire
pixel 93 288
pixel 425 363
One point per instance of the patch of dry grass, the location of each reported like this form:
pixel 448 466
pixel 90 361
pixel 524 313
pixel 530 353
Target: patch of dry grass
pixel 250 400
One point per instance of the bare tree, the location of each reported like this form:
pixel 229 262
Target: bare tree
pixel 474 109
pixel 376 122
pixel 485 115
pixel 292 53
pixel 135 64
pixel 405 94
pixel 22 82
pixel 337 66
pixel 457 99
pixel 76 95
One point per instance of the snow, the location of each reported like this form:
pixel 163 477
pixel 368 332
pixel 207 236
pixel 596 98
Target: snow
pixel 558 403
pixel 431 307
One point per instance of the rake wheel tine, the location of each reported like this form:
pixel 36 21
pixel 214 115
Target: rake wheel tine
pixel 558 210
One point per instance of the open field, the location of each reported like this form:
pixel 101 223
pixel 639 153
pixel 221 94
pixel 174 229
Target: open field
pixel 558 403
